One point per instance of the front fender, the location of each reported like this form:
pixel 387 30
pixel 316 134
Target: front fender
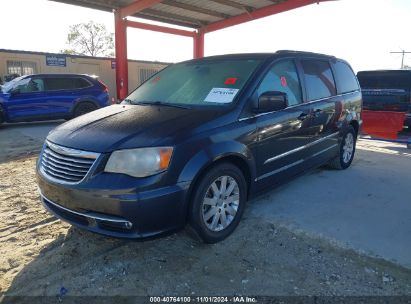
pixel 201 160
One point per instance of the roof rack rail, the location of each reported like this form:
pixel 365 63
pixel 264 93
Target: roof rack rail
pixel 303 53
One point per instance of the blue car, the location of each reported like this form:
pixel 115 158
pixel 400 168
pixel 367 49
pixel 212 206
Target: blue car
pixel 51 96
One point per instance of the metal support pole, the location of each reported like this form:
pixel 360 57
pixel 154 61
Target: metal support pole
pixel 402 60
pixel 403 55
pixel 121 56
pixel 198 45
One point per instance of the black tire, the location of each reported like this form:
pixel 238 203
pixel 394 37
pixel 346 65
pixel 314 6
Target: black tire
pixel 84 108
pixel 341 162
pixel 2 116
pixel 201 192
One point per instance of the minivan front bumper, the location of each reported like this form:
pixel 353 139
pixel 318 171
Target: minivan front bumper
pixel 121 212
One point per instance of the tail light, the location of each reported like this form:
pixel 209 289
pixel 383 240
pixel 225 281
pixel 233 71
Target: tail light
pixel 104 86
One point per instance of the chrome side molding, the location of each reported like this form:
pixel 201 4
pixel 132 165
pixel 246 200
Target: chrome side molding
pixel 301 148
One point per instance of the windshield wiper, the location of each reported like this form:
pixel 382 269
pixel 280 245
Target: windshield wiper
pixel 161 103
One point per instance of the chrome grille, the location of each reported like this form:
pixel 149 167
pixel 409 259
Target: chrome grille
pixel 64 164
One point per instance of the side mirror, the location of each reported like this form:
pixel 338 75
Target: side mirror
pixel 271 101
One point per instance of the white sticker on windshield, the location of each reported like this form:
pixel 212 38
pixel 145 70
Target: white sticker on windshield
pixel 221 95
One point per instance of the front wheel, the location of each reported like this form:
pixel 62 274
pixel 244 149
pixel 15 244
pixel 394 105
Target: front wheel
pixel 218 203
pixel 346 150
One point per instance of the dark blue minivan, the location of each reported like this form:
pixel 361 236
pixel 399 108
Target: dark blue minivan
pixel 193 143
pixel 51 96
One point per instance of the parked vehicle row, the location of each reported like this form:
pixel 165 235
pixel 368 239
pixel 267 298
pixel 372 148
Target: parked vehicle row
pixel 194 142
pixel 51 96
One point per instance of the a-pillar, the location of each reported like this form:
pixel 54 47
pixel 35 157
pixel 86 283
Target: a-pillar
pixel 121 56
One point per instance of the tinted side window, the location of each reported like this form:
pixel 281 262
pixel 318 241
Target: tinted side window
pixel 318 78
pixel 283 77
pixel 55 84
pixel 346 81
pixel 81 83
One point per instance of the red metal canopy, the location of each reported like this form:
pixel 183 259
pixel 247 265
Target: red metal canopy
pixel 202 16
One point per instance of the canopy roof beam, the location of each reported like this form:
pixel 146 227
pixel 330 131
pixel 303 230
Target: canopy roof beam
pixel 201 17
pixel 137 7
pixel 257 14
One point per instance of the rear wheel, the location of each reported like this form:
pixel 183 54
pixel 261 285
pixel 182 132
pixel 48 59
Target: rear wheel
pixel 346 151
pixel 2 116
pixel 84 108
pixel 218 203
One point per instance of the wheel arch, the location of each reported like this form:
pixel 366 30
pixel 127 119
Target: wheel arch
pixel 235 159
pixel 355 124
pixel 85 100
pixel 3 116
pixel 239 155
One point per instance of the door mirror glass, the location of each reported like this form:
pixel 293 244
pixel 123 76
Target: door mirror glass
pixel 272 101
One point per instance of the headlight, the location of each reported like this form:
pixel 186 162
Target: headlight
pixel 139 162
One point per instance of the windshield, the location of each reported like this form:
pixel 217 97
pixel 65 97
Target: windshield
pixel 196 83
pixel 8 86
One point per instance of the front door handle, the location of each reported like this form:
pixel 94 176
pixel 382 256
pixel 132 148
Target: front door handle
pixel 302 116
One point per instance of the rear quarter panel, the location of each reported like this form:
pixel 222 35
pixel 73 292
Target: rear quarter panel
pixel 352 109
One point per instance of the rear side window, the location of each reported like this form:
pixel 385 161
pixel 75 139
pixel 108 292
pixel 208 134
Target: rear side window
pixel 81 83
pixel 318 78
pixel 56 84
pixel 283 77
pixel 346 81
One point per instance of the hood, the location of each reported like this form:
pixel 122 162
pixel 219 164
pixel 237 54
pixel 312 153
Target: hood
pixel 130 126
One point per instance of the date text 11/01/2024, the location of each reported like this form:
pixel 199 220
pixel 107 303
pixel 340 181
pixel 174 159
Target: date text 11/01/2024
pixel 234 299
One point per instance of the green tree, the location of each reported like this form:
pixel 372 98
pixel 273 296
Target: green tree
pixel 90 39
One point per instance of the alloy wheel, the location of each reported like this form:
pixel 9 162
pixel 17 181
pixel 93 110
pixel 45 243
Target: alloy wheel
pixel 348 147
pixel 220 203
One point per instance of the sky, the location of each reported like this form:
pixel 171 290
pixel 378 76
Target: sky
pixel 363 32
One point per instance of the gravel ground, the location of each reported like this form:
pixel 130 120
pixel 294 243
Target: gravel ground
pixel 40 255
pixel 15 145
